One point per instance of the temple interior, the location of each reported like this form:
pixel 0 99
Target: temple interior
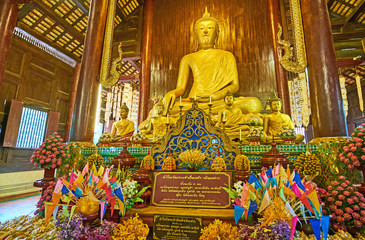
pixel 182 119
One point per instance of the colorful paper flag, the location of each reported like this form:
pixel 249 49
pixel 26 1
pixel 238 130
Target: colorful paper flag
pixel 119 194
pixel 238 212
pixel 73 176
pixel 55 212
pixel 58 186
pixel 49 208
pixel 56 198
pixel 296 190
pixel 269 172
pixel 281 194
pixel 112 204
pixel 103 204
pixel 101 170
pixel 325 225
pixel 299 181
pixel 293 225
pixel 283 174
pixel 314 200
pixel 289 209
pixel 264 202
pixel 65 212
pixel 252 208
pixel 71 214
pixel 85 170
pixel 316 225
pixel 306 203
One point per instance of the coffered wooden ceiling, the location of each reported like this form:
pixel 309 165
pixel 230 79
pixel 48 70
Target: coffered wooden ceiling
pixel 62 25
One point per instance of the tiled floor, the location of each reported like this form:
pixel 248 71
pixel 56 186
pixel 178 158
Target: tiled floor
pixel 15 208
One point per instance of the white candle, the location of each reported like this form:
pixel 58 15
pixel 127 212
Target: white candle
pixel 224 115
pixel 167 119
pixel 180 100
pixel 195 96
pixel 240 134
pixel 210 99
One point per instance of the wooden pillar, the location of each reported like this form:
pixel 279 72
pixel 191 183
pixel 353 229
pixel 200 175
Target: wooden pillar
pixel 328 114
pixel 71 103
pixel 82 129
pixel 8 17
pixel 280 74
pixel 146 60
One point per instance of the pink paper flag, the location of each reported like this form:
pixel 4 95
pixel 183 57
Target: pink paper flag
pixel 85 170
pixel 293 225
pixel 109 193
pixel 264 178
pixel 244 193
pixel 106 175
pixel 72 177
pixel 95 178
pixel 58 186
pixel 102 209
pixel 112 204
pixel 238 202
pixel 277 169
pixel 296 190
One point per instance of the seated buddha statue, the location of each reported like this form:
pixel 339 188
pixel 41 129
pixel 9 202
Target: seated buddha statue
pixel 123 128
pixel 276 121
pixel 214 74
pixel 155 127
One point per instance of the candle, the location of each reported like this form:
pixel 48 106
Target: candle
pixel 210 99
pixel 240 135
pixel 195 96
pixel 167 119
pixel 180 100
pixel 224 115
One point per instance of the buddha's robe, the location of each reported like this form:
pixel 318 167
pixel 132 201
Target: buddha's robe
pixel 277 122
pixel 124 127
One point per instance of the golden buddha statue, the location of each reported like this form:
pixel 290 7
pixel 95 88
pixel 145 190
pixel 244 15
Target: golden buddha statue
pixel 276 121
pixel 155 127
pixel 123 128
pixel 214 74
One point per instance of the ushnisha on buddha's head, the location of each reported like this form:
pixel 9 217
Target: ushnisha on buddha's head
pixel 206 31
pixel 229 99
pixel 275 104
pixel 124 111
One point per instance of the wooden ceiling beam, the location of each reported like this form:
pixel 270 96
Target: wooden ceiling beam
pixel 349 53
pixel 349 35
pixel 329 4
pixel 59 20
pixel 120 13
pixel 46 40
pixel 358 9
pixel 345 3
pixel 347 62
pixel 134 65
pixel 82 7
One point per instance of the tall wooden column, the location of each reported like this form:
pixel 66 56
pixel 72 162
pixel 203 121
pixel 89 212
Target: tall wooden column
pixel 146 60
pixel 8 17
pixel 87 91
pixel 281 79
pixel 328 114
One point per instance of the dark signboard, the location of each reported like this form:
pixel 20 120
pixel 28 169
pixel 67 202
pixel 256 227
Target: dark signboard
pixel 185 189
pixel 167 227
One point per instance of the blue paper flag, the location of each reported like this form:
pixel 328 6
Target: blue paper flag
pixel 65 190
pixel 119 194
pixel 269 172
pixel 252 208
pixel 104 206
pixel 238 212
pixel 252 179
pixel 325 225
pixel 298 181
pixel 316 225
pixel 77 192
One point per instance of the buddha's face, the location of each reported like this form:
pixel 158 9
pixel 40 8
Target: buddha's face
pixel 276 106
pixel 229 100
pixel 123 114
pixel 159 110
pixel 206 33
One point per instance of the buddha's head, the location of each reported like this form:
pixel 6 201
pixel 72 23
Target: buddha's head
pixel 229 99
pixel 124 111
pixel 206 31
pixel 275 104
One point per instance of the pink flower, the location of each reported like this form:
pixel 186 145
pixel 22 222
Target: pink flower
pixel 362 199
pixel 342 158
pixel 331 199
pixel 59 144
pixel 53 145
pixel 356 215
pixel 35 163
pixel 43 151
pixel 54 160
pixel 358 194
pixel 56 152
pixel 358 223
pixel 362 212
pixel 59 162
pixel 362 205
pixel 68 155
pixel 60 147
pixel 338 212
pixel 353 149
pixel 346 160
pixel 350 154
pixel 356 199
pixel 48 159
pixel 354 158
pixel 362 219
pixel 363 157
pixel 343 185
pixel 338 203
pixel 342 178
pixel 333 207
pixel 55 139
pixel 347 216
pixel 350 166
pixel 346 149
pixel 341 197
pixel 349 210
pixel 336 226
pixel 346 193
pixel 356 208
pixel 339 188
pixel 334 192
pixel 329 188
pixel 53 166
pixel 48 147
pixel 54 149
pixel 356 163
pixel 358 144
pixel 350 201
pixel 41 161
pixel 363 149
pixel 361 134
pixel 351 145
pixel 63 155
pixel 67 166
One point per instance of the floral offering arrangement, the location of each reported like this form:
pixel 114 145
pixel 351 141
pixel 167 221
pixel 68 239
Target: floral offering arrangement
pixel 346 205
pixel 278 230
pixel 72 229
pixel 169 164
pixel 354 152
pixel 133 228
pixel 148 163
pixel 219 230
pixel 287 132
pixel 52 153
pixel 308 163
pixel 218 165
pixel 193 158
pixel 46 197
pixel 29 228
pixel 241 162
pixel 138 137
pixel 96 159
pixel 255 133
pixel 106 138
pixel 101 232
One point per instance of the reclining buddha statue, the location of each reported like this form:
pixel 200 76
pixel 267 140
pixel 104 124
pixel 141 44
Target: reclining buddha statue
pixel 214 75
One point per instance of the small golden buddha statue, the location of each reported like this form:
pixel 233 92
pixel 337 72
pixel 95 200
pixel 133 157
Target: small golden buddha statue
pixel 277 120
pixel 123 128
pixel 214 74
pixel 155 127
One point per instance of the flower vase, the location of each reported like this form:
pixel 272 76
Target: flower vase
pixel 47 178
pixel 361 188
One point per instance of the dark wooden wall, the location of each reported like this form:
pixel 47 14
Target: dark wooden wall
pixel 244 31
pixel 32 76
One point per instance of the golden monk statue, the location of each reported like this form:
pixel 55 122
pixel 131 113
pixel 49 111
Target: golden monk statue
pixel 123 128
pixel 276 121
pixel 155 127
pixel 214 74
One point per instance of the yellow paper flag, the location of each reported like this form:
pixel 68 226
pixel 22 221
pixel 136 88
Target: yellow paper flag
pixel 56 198
pixel 314 199
pixel 49 210
pixel 101 170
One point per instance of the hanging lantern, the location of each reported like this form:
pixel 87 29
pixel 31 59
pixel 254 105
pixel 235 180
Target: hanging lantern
pixel 359 93
pixel 344 94
pixel 305 99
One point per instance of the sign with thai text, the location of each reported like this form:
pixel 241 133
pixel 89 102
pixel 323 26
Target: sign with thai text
pixel 186 189
pixel 176 227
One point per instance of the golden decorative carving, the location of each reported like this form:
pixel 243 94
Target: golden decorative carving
pixel 286 60
pixel 105 80
pixel 195 130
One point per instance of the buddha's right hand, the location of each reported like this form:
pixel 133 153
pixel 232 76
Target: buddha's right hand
pixel 169 100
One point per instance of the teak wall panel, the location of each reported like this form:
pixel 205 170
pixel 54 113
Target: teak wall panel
pixel 244 31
